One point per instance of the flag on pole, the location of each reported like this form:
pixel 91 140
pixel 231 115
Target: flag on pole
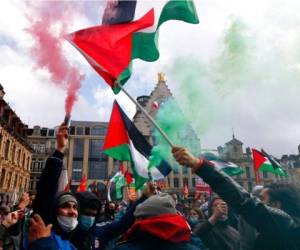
pixel 82 185
pixel 125 142
pixel 264 162
pixel 225 166
pixel 119 11
pixel 110 48
pixel 119 181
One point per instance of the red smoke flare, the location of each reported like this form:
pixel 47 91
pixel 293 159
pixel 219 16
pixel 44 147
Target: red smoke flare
pixel 48 26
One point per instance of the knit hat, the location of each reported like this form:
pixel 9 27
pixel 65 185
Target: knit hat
pixel 156 205
pixel 64 198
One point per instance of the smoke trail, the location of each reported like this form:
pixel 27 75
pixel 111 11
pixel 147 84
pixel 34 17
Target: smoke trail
pixel 228 70
pixel 172 120
pixel 47 28
pixel 201 90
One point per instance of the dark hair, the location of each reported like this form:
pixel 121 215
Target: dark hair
pixel 288 195
pixel 199 212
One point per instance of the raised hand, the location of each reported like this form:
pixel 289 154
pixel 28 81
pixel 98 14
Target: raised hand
pixel 184 157
pixel 62 136
pixel 38 229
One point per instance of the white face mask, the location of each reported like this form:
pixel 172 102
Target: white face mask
pixel 68 224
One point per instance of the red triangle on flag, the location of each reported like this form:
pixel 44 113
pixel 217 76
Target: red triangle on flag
pixel 116 132
pixel 258 159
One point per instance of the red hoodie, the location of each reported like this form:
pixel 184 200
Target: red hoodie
pixel 170 227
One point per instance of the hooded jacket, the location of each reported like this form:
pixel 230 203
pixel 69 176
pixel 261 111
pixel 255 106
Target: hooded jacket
pixel 45 205
pixel 276 229
pixel 164 232
pixel 98 237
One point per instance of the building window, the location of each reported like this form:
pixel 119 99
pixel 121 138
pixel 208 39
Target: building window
pixel 87 131
pixel 95 148
pixel 78 148
pixel 2 178
pixel 79 131
pixel 97 170
pixel 7 144
pixel 13 154
pixel 98 130
pixel 249 186
pixel 265 175
pixel 72 130
pixel 52 145
pixel 184 170
pixel 248 174
pixel 51 132
pixel 176 182
pixel 77 170
pixel 28 163
pixel 1 136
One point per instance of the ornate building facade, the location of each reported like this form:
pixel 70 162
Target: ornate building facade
pixel 233 152
pixel 42 141
pixel 179 176
pixel 15 152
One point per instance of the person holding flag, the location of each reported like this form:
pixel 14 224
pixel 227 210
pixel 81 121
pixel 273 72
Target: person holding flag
pixel 276 215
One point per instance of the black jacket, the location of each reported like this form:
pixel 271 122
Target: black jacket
pixel 277 230
pixel 220 236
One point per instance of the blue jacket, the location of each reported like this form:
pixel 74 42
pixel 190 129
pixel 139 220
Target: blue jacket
pixel 99 236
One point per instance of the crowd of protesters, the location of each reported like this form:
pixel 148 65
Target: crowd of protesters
pixel 231 218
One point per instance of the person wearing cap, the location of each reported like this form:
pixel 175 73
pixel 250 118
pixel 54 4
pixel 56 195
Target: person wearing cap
pixel 92 233
pixel 158 225
pixel 55 216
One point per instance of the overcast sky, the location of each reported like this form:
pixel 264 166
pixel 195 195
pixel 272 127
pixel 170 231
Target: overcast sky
pixel 253 89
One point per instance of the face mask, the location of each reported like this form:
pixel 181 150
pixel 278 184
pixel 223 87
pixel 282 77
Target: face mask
pixel 193 221
pixel 67 224
pixel 86 222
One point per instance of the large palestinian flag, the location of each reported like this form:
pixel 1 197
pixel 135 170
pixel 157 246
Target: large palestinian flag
pixel 264 162
pixel 111 47
pixel 125 142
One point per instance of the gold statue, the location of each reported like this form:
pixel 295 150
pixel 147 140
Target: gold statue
pixel 161 77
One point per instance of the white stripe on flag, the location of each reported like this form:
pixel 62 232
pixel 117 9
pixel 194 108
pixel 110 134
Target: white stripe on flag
pixel 140 161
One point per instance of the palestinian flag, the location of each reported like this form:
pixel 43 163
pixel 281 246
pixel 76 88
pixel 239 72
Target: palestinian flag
pixel 110 48
pixel 125 142
pixel 222 165
pixel 264 162
pixel 119 181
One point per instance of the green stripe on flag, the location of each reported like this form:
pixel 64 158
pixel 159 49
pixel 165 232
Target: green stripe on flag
pixel 121 153
pixel 145 45
pixel 269 168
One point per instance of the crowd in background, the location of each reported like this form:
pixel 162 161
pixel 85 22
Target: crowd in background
pixel 230 218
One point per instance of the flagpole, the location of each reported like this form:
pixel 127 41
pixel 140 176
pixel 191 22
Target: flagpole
pixel 147 115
